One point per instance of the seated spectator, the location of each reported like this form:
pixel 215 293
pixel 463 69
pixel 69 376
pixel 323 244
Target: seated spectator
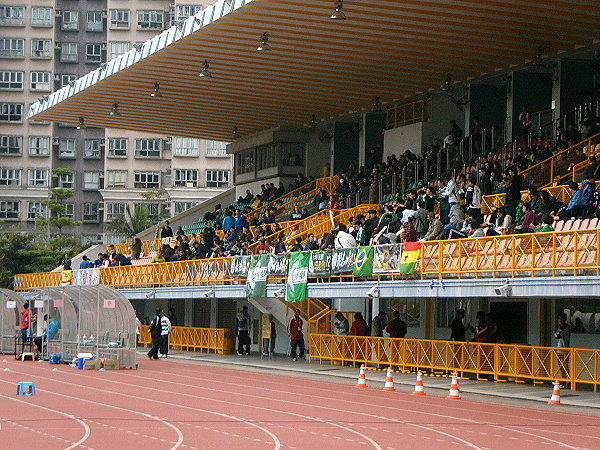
pixel 545 225
pixel 262 248
pixel 311 243
pixel 476 230
pixel 280 244
pixel 435 230
pixel 158 258
pixel 136 248
pixel 548 204
pixel 333 203
pixel 409 234
pixel 296 214
pixel 118 259
pixel 85 264
pixel 105 261
pixel 528 220
pixel 180 255
pixel 572 209
pixel 503 224
pixel 280 190
pixel 297 247
pixel 257 202
pixel 343 239
pixel 179 232
pixel 269 216
pixel 199 250
pixel 320 200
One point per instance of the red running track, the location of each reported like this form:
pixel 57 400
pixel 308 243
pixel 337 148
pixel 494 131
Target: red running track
pixel 168 404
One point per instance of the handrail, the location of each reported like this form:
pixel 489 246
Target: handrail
pixel 417 111
pixel 545 172
pixel 573 252
pixel 502 361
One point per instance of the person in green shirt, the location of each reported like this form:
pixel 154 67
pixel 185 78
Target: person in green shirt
pixel 158 258
pixel 545 225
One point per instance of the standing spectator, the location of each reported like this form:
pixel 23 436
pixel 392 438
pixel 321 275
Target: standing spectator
pixel 586 123
pixel 320 200
pixel 66 262
pixel 591 169
pixel 138 327
pixel 361 238
pixel 26 319
pixel 311 243
pixel 85 264
pixel 280 244
pixel 359 326
pixel 98 261
pixel 458 327
pixel 243 323
pixel 587 200
pixel 343 239
pixel 563 341
pixel 228 222
pixel 371 224
pixel 341 327
pixel 240 221
pixel 332 203
pixel 473 199
pixel 165 329
pixel 166 230
pixel 456 130
pixel 409 233
pixel 397 327
pixel 526 120
pixel 136 248
pixel 476 135
pixel 262 248
pixel 378 324
pixel 513 196
pixel 294 330
pixel 485 183
pixel 421 219
pixel 155 330
pixel 172 317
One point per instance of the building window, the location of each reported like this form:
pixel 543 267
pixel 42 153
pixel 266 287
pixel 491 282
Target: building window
pixel 11 79
pixel 119 18
pixel 116 179
pixel 117 147
pixel 41 48
pixel 181 207
pixel 12 15
pixel 216 148
pixel 41 17
pixel 93 53
pixel 117 49
pixel 9 210
pixel 67 181
pixel 95 22
pixel 187 146
pixel 39 145
pixel 11 112
pixel 244 162
pixel 146 180
pixel 267 156
pixel 69 210
pixel 38 177
pixel 68 52
pixel 217 178
pixel 40 81
pixel 66 79
pixel 11 145
pixel 185 11
pixel 153 209
pixel 70 20
pixel 12 47
pixel 66 148
pixel 90 212
pixel 10 177
pixel 147 148
pixel 114 209
pixel 150 20
pixel 186 178
pixel 91 148
pixel 35 210
pixel 292 154
pixel 91 181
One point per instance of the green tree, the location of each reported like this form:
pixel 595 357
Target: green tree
pixel 154 196
pixel 55 205
pixel 130 223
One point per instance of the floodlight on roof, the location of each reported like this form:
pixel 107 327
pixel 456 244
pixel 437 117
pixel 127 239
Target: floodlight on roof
pixel 448 84
pixel 313 121
pixel 81 124
pixel 205 72
pixel 338 14
pixel 264 43
pixel 115 110
pixel 156 91
pixel 234 132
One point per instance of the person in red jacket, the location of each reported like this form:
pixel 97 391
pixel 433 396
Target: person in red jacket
pixel 359 326
pixel 294 330
pixel 396 327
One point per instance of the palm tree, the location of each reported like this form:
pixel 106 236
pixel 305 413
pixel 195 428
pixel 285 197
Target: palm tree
pixel 130 224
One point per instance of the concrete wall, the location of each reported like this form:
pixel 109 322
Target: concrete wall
pixel 318 152
pixel 443 111
pixel 397 140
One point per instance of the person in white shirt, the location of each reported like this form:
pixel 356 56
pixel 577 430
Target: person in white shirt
pixel 473 199
pixel 165 325
pixel 409 211
pixel 343 239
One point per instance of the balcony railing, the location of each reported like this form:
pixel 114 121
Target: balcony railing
pixel 419 111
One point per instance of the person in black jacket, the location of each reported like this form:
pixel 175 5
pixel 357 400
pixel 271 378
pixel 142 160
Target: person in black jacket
pixel 458 328
pixel 513 196
pixel 155 331
pixel 166 231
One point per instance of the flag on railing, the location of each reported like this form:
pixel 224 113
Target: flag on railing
pixel 363 262
pixel 66 277
pixel 297 277
pixel 410 256
pixel 256 283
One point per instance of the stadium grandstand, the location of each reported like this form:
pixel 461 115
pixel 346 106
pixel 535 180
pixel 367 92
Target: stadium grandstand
pixel 422 159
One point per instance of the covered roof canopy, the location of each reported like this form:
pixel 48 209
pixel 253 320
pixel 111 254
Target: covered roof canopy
pixel 387 48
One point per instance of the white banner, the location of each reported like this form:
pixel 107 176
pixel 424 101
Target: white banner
pixel 86 277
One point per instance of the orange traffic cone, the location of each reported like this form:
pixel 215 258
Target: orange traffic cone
pixel 454 393
pixel 389 381
pixel 555 399
pixel 362 380
pixel 419 388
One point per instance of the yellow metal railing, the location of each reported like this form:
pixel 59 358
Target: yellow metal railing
pixel 572 252
pixel 218 340
pixel 502 361
pixel 556 167
pixel 419 111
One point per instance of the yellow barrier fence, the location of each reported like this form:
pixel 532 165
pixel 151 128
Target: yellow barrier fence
pixel 419 111
pixel 503 362
pixel 216 340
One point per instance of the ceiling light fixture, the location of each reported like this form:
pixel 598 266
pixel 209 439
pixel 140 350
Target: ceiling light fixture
pixel 205 72
pixel 264 43
pixel 539 56
pixel 448 84
pixel 338 14
pixel 115 110
pixel 156 92
pixel 376 104
pixel 81 124
pixel 234 132
pixel 313 121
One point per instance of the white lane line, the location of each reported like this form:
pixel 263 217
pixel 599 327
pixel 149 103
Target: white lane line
pixel 85 426
pixel 543 438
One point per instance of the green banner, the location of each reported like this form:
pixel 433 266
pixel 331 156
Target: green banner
pixel 240 266
pixel 320 264
pixel 278 264
pixel 297 277
pixel 363 262
pixel 256 283
pixel 342 260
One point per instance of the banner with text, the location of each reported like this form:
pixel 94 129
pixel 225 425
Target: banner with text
pixel 256 283
pixel 297 277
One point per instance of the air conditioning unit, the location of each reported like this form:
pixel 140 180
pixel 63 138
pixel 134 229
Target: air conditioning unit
pixel 103 47
pixel 167 145
pixel 101 206
pixel 58 13
pixel 56 77
pixel 57 46
pixel 102 144
pixel 55 141
pixel 104 14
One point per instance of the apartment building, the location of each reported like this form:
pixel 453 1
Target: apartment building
pixel 46 45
